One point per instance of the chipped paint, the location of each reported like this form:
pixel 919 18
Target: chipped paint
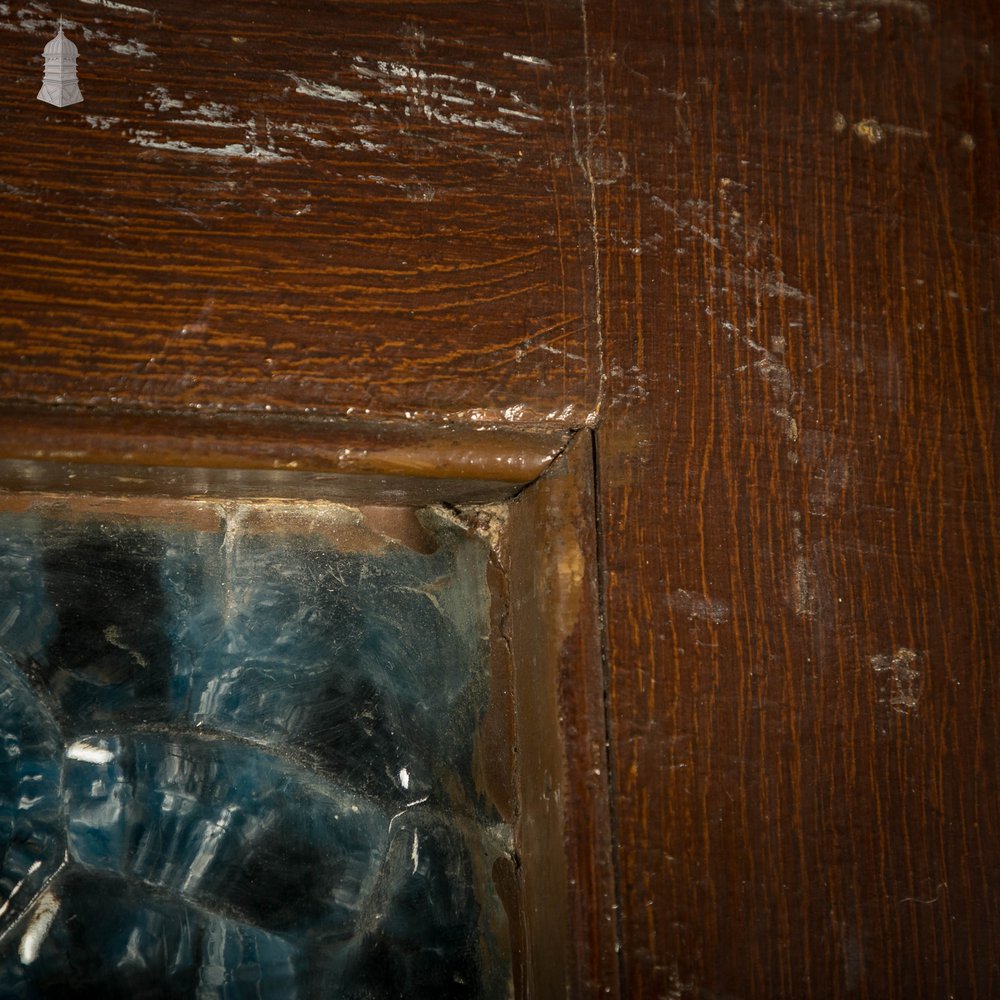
pixel 234 150
pixel 402 91
pixel 216 115
pixel 699 606
pixel 101 122
pixel 160 99
pixel 803 587
pixel 791 424
pixel 864 13
pixel 773 370
pixel 530 60
pixel 873 131
pixel 904 670
pixel 29 22
pixel 803 578
pixel 113 5
pixel 329 92
pixel 133 48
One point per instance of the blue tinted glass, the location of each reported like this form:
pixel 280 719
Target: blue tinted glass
pixel 237 758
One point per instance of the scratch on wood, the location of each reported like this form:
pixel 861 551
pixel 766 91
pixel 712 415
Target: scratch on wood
pixel 585 160
pixel 872 131
pixel 926 902
pixel 726 230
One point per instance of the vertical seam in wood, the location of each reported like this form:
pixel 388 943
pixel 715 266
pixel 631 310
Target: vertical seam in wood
pixel 609 734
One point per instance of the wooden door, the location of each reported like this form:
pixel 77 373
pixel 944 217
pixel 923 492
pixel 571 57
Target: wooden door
pixel 739 257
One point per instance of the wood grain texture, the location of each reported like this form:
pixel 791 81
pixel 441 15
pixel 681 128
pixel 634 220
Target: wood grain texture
pixel 358 209
pixel 797 476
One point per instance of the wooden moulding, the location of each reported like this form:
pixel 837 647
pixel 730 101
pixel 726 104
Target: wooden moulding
pixel 542 747
pixel 564 839
pixel 179 455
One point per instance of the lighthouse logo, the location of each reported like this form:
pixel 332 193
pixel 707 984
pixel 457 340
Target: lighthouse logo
pixel 60 86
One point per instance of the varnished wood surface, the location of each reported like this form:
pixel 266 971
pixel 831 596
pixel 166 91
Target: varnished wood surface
pixel 797 474
pixel 563 835
pixel 499 459
pixel 797 227
pixel 364 209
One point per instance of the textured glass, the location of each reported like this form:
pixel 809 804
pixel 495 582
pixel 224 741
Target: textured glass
pixel 237 757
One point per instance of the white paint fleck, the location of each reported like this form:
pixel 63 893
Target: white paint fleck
pixel 415 852
pixel 101 122
pixel 520 114
pixel 530 60
pixel 206 123
pixel 87 752
pixel 159 98
pixel 436 97
pixel 213 111
pixel 329 92
pixel 150 140
pixel 404 777
pixel 133 47
pixel 552 349
pixel 41 920
pixel 112 5
pixel 31 24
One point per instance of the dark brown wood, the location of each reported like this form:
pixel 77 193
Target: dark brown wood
pixel 793 209
pixel 563 837
pixel 354 209
pixel 500 459
pixel 799 496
